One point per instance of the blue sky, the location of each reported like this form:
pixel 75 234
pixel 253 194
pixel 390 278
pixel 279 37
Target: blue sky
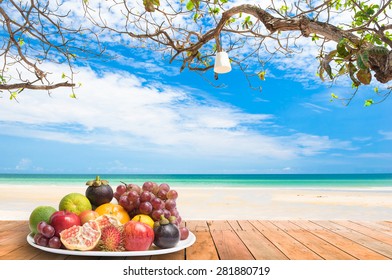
pixel 139 114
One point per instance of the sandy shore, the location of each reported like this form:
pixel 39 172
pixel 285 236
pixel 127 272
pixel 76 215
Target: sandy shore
pixel 17 201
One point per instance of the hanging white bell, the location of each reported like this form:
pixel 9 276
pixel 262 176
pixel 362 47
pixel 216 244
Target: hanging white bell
pixel 222 63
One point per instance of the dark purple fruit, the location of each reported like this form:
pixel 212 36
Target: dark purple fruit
pixel 99 192
pixel 166 234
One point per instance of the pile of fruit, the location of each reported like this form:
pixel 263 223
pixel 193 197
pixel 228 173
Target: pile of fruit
pixel 131 218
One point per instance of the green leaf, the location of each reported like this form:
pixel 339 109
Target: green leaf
pixel 190 6
pixel 363 60
pixel 196 16
pixel 193 4
pixel 63 76
pixel 364 76
pixel 343 70
pixel 351 71
pixel 321 73
pixel 21 42
pixel 149 5
pixel 333 97
pixel 325 63
pixel 368 102
pixel 230 20
pixel 338 5
pixel 72 95
pixel 315 37
pixel 378 50
pixel 14 94
pixel 261 75
pixel 341 48
pixel 214 11
pixel 376 90
pixel 284 9
pixel 247 23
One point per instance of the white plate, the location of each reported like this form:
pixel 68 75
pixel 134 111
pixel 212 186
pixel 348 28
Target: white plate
pixel 153 251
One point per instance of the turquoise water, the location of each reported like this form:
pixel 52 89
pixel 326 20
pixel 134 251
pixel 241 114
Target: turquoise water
pixel 208 180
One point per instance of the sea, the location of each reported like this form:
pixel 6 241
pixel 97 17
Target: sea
pixel 332 181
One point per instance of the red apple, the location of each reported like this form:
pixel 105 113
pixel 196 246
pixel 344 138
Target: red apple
pixel 88 215
pixel 138 236
pixel 61 220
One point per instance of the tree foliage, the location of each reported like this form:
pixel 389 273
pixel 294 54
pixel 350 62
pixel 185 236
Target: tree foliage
pixel 354 38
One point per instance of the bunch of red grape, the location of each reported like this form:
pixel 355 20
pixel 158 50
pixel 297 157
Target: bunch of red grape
pixel 45 236
pixel 150 199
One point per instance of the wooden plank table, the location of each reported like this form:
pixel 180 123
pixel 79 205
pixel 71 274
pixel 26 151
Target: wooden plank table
pixel 245 240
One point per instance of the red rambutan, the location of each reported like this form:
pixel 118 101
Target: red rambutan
pixel 111 238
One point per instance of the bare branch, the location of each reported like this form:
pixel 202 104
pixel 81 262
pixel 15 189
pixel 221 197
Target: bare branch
pixel 35 87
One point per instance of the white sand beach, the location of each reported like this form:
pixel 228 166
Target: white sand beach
pixel 17 201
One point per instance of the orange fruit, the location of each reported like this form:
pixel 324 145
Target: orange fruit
pixel 114 210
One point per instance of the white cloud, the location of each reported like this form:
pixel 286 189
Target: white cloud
pixel 386 134
pixel 23 164
pixel 375 155
pixel 315 108
pixel 120 109
pixel 362 139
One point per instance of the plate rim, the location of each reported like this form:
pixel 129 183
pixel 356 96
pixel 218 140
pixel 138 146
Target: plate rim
pixel 151 252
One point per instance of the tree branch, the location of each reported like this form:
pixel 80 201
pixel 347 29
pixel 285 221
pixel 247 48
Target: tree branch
pixel 35 87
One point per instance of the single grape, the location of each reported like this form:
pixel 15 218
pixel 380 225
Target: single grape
pixel 162 194
pixel 155 189
pixel 166 213
pixel 54 242
pixel 145 207
pixel 172 194
pixel 117 196
pixel 174 212
pixel 145 196
pixel 157 203
pixel 170 204
pixel 148 186
pixel 40 240
pixel 164 186
pixel 41 225
pixel 121 189
pixel 133 205
pixel 136 188
pixel 156 214
pixel 133 196
pixel 123 201
pixel 48 231
pixel 184 233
